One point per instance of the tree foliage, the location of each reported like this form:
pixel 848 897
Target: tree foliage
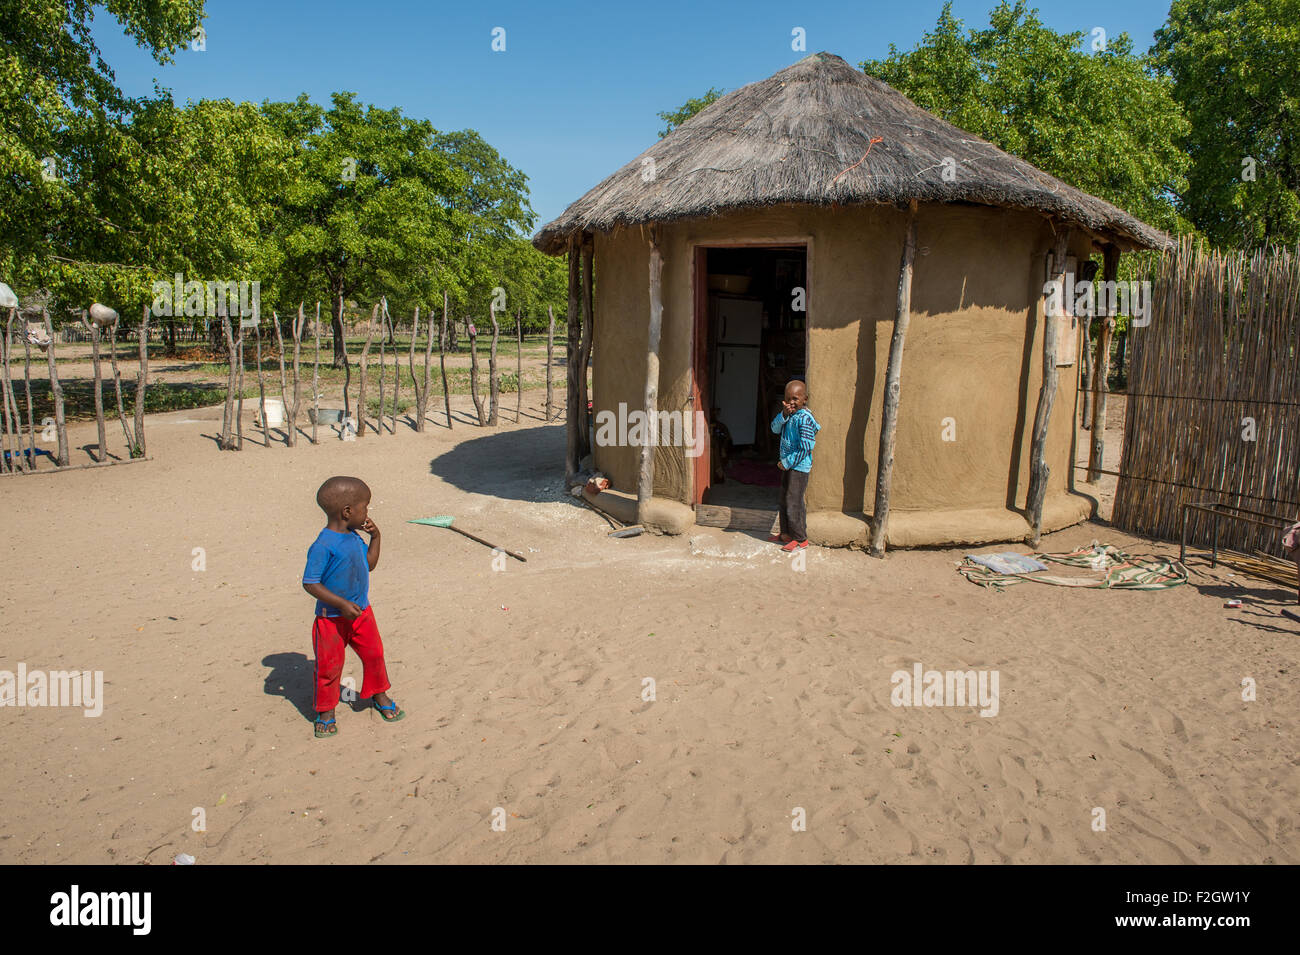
pixel 676 117
pixel 1101 120
pixel 1235 65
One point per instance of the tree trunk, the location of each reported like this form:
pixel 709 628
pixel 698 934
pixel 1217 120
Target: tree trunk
pixel 410 364
pixel 336 325
pixel 141 383
pixel 473 373
pixel 893 389
pixel 1039 472
pixel 56 389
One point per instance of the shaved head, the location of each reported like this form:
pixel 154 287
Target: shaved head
pixel 340 492
pixel 796 389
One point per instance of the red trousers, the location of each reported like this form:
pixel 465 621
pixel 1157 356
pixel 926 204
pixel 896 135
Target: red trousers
pixel 329 635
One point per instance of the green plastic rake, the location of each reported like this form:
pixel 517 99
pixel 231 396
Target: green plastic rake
pixel 444 520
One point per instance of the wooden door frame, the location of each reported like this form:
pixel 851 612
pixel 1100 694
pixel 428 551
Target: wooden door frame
pixel 701 471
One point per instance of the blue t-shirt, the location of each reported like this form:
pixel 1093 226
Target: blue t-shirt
pixel 340 562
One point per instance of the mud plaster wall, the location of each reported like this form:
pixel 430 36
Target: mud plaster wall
pixel 973 351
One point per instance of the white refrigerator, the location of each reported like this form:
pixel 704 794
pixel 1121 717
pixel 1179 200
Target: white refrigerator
pixel 739 331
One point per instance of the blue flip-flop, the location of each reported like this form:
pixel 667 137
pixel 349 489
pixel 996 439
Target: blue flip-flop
pixel 322 728
pixel 388 709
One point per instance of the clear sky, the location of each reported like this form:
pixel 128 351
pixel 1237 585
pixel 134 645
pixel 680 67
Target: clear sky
pixel 575 93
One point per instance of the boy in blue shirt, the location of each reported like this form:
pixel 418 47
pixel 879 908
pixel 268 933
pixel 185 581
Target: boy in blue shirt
pixel 798 430
pixel 338 576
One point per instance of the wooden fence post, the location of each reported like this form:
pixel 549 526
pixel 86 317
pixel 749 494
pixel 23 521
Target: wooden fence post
pixel 56 388
pixel 550 360
pixel 141 382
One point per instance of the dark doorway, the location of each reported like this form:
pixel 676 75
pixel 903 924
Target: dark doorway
pixel 751 338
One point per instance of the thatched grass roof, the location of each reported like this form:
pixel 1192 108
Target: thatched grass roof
pixel 790 139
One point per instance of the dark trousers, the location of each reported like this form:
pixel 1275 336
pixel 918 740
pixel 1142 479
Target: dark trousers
pixel 793 517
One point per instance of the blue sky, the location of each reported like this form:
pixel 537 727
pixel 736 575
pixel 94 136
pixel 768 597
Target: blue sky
pixel 575 93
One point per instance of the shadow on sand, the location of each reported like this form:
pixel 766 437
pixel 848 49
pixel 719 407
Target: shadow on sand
pixel 526 464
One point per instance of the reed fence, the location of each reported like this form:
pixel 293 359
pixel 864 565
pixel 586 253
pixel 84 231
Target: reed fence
pixel 1214 397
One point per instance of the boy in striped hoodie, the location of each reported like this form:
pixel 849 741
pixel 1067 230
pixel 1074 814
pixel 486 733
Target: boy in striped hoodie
pixel 798 430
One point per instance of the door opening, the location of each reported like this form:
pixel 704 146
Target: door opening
pixel 751 337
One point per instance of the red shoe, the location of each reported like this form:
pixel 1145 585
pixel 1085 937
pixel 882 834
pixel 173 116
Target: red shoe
pixel 778 538
pixel 794 546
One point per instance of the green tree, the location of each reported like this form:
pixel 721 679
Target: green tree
pixel 676 117
pixel 370 209
pixel 1101 120
pixel 59 101
pixel 1235 69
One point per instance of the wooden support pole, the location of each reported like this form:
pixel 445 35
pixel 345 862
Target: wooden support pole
pixel 550 361
pixel 1101 371
pixel 141 383
pixel 893 388
pixel 519 365
pixel 56 389
pixel 645 484
pixel 1039 472
pixel 571 415
pixel 584 356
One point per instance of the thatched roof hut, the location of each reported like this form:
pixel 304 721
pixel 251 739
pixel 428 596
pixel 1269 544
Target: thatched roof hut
pixel 784 209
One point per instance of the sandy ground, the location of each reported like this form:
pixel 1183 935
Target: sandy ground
pixel 524 686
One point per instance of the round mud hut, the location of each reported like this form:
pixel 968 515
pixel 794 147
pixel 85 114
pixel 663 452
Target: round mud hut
pixel 819 225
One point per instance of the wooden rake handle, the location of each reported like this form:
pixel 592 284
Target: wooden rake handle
pixel 516 556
